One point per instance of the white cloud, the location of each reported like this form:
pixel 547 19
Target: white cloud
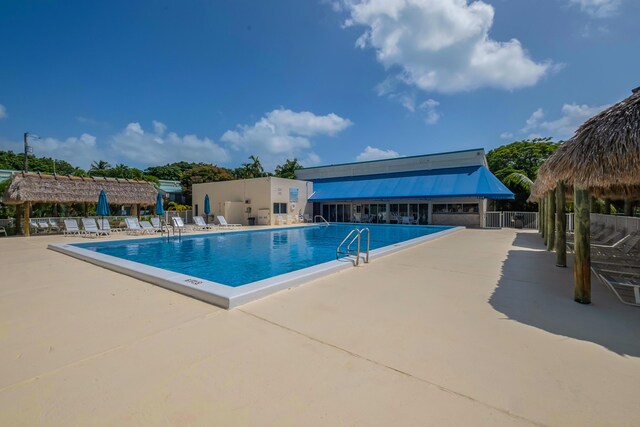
pixel 506 135
pixel 533 120
pixel 311 159
pixel 159 128
pixel 432 115
pixel 133 144
pixel 3 111
pixel 283 134
pixel 372 153
pixel 573 115
pixel 79 151
pixel 598 8
pixel 442 45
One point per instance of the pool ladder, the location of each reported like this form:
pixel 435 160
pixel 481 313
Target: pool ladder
pixel 355 237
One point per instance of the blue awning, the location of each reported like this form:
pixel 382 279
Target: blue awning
pixel 468 181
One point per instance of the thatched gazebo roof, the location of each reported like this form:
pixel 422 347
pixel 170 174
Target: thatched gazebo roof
pixel 603 155
pixel 41 188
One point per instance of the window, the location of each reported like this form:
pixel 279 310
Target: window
pixel 279 208
pixel 470 208
pixel 440 208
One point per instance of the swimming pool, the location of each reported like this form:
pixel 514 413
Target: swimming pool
pixel 236 264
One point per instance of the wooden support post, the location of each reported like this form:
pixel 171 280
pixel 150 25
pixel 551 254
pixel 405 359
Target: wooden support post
pixel 138 211
pixel 551 220
pixel 582 259
pixel 539 216
pixel 543 218
pixel 628 207
pixel 561 227
pixel 26 223
pixel 607 206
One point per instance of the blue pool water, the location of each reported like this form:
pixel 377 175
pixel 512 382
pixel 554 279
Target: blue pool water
pixel 235 259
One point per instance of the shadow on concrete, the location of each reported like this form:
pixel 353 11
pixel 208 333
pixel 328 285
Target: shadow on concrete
pixel 533 291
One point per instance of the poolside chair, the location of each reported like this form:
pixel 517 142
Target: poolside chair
pixel 3 230
pixel 54 225
pixel 71 228
pixel 307 218
pixel 200 224
pixel 625 286
pixel 178 224
pixel 147 227
pixel 223 222
pixel 133 226
pixel 157 224
pixel 91 228
pixel 104 225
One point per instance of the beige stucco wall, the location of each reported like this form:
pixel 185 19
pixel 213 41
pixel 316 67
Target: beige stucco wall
pixel 462 219
pixel 257 193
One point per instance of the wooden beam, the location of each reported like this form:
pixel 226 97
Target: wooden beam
pixel 551 220
pixel 543 218
pixel 561 227
pixel 26 223
pixel 582 259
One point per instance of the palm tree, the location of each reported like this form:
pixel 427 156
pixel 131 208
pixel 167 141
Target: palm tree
pixel 518 178
pixel 99 166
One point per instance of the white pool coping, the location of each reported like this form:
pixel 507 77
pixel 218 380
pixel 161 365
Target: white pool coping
pixel 227 296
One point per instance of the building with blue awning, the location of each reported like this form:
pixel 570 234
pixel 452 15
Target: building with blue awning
pixel 446 188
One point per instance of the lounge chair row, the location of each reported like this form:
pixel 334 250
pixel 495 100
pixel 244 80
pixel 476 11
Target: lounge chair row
pixel 616 263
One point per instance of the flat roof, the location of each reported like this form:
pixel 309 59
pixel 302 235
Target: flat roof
pixel 394 158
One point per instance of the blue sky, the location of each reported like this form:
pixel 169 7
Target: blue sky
pixel 152 82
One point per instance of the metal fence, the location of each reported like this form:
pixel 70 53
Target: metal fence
pixel 511 219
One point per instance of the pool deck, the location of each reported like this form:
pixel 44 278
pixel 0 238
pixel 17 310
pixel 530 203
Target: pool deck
pixel 475 328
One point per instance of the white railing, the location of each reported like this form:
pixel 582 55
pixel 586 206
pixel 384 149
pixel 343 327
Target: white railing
pixel 569 217
pixel 511 219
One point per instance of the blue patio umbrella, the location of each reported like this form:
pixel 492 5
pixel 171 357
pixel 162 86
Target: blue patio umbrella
pixel 159 206
pixel 207 205
pixel 103 206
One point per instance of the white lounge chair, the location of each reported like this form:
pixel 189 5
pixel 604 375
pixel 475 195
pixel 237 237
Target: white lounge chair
pixel 223 222
pixel 307 218
pixel 147 227
pixel 178 223
pixel 200 224
pixel 104 225
pixel 3 230
pixel 91 227
pixel 54 225
pixel 157 224
pixel 71 228
pixel 133 226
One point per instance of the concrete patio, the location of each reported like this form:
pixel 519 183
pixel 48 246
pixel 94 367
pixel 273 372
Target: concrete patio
pixel 475 328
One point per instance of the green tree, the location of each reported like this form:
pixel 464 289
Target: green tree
pixel 15 161
pixel 200 174
pixel 253 169
pixel 99 168
pixel 516 165
pixel 171 171
pixel 288 169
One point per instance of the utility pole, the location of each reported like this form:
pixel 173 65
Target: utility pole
pixel 27 149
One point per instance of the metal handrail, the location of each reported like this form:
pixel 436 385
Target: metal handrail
pixel 357 237
pixel 366 260
pixel 322 218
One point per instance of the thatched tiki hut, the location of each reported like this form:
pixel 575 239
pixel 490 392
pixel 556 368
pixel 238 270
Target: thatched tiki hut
pixel 28 188
pixel 602 159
